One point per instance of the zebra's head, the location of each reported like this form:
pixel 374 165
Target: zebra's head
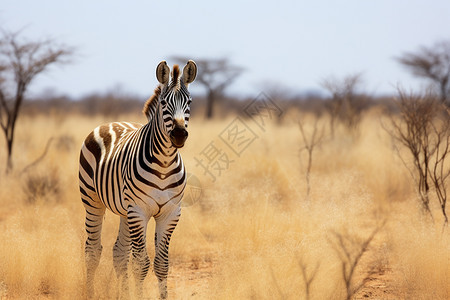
pixel 175 100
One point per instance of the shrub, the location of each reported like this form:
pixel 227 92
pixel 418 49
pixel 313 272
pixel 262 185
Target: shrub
pixel 41 185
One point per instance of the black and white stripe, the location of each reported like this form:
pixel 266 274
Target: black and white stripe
pixel 137 172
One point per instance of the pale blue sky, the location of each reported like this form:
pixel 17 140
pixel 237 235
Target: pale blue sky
pixel 293 43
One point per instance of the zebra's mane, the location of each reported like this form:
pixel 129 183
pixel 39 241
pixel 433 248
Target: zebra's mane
pixel 150 105
pixel 149 109
pixel 175 74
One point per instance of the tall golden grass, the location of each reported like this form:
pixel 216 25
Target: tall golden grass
pixel 251 235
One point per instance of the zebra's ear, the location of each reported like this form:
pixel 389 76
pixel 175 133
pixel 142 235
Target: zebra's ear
pixel 162 72
pixel 189 72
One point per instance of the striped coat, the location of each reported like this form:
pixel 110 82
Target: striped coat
pixel 137 172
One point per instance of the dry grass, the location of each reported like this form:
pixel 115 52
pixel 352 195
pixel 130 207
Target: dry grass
pixel 252 235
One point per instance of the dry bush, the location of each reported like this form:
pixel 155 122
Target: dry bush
pixel 40 185
pixel 311 141
pixel 423 128
pixel 350 250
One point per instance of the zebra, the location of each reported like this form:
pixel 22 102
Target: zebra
pixel 136 171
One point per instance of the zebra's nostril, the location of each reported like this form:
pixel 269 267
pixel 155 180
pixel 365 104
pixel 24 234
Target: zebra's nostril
pixel 178 136
pixel 179 133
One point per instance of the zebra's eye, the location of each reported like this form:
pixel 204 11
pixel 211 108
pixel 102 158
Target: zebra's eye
pixel 163 102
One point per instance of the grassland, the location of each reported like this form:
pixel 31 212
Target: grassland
pixel 253 233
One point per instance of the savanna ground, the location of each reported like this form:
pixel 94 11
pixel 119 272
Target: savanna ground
pixel 253 233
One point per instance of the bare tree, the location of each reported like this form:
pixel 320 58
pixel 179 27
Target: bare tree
pixel 215 75
pixel 20 62
pixel 414 132
pixel 439 172
pixel 350 250
pixel 310 142
pixel 423 128
pixel 432 63
pixel 346 105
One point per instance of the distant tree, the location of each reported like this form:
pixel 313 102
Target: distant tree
pixel 311 140
pixel 346 105
pixel 215 75
pixel 20 62
pixel 432 63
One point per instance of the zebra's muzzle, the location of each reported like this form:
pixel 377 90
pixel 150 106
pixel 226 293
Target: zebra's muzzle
pixel 178 136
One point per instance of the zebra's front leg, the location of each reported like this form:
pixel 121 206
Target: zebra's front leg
pixel 121 255
pixel 137 222
pixel 93 246
pixel 166 222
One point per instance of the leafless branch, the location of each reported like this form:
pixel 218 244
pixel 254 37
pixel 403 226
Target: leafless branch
pixel 350 251
pixel 20 62
pixel 310 142
pixel 413 131
pixel 308 277
pixel 439 171
pixel 40 158
pixel 423 128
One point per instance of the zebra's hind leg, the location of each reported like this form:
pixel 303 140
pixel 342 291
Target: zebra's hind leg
pixel 121 255
pixel 166 222
pixel 137 222
pixel 93 247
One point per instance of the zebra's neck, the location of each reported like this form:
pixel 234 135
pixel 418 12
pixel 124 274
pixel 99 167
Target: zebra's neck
pixel 157 144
